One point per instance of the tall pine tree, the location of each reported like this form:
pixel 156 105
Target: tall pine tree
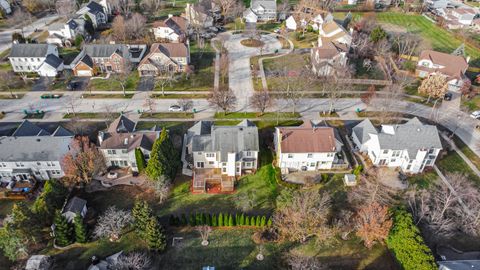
pixel 80 229
pixel 140 159
pixel 163 160
pixel 141 213
pixel 63 230
pixel 154 235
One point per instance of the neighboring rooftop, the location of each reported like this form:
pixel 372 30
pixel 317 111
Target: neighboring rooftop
pixel 75 205
pixel 106 50
pixel 29 50
pixel 454 66
pixel 308 138
pixel 34 148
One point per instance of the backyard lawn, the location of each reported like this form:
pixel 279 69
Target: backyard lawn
pixel 453 163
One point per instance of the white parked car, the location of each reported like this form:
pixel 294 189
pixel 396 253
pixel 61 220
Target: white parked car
pixel 175 108
pixel 475 114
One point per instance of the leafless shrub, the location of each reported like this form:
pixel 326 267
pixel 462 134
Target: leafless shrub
pixel 111 223
pixel 133 261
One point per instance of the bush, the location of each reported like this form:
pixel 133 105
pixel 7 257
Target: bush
pixel 269 222
pixel 242 219
pixel 192 220
pixel 220 220
pixel 230 220
pixel 358 170
pixel 214 220
pixel 406 243
pixel 263 221
pixel 183 220
pixel 257 221
pixel 409 65
pixel 209 220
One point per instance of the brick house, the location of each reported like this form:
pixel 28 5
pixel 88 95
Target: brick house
pixel 165 57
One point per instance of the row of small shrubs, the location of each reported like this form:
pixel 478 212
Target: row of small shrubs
pixel 219 220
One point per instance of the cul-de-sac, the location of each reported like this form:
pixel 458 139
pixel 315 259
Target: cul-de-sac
pixel 239 134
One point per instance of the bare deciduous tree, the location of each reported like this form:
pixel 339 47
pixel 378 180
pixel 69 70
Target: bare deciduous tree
pixel 152 5
pixel 204 232
pixel 122 77
pixel 111 223
pixel 373 223
pixel 306 216
pixel 302 262
pixel 406 44
pixel 6 80
pixel 135 26
pixel 370 189
pixel 123 6
pixel 223 65
pixel 133 261
pixel 165 77
pixel 150 104
pixel 226 7
pixel 261 101
pixel 119 28
pixel 66 7
pixel 223 99
pixel 186 104
pixel 20 19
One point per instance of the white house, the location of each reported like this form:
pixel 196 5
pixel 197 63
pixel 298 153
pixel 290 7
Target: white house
pixel 221 153
pixel 64 33
pixel 97 12
pixel 33 151
pixel 265 10
pixel 452 66
pixel 119 141
pixel 290 23
pixel 75 206
pixel 5 7
pixel 320 19
pixel 436 4
pixel 173 29
pixel 411 146
pixel 202 13
pixel 328 58
pixel 306 148
pixel 29 58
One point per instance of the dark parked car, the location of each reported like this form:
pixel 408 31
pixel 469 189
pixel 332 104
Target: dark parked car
pixel 447 96
pixel 47 96
pixel 73 85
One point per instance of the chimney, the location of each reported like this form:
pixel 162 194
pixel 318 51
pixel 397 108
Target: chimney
pixel 468 59
pixel 170 16
pixel 112 42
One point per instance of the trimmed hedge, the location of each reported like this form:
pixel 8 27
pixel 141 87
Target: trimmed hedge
pixel 219 220
pixel 406 243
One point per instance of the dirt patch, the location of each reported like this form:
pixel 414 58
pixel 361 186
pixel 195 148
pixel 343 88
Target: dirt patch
pixel 252 42
pixel 391 28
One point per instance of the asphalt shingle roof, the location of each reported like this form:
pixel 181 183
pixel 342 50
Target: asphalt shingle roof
pixel 53 60
pixel 27 128
pixel 75 205
pixel 106 50
pixel 29 50
pixel 34 148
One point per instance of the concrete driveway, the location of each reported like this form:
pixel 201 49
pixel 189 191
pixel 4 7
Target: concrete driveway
pixel 146 84
pixel 239 73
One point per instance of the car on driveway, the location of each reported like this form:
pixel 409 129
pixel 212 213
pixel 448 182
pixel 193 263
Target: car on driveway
pixel 73 85
pixel 475 114
pixel 175 108
pixel 447 97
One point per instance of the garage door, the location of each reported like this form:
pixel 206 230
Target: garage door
pixel 84 73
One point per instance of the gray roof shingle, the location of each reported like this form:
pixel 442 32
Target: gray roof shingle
pixel 106 50
pixel 34 148
pixel 75 205
pixel 28 128
pixel 29 50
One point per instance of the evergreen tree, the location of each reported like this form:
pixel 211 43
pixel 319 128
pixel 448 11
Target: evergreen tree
pixel 192 220
pixel 154 235
pixel 63 230
pixel 263 221
pixel 171 220
pixel 140 159
pixel 184 221
pixel 269 222
pixel 209 220
pixel 257 221
pixel 247 221
pixel 141 213
pixel 163 160
pixel 198 219
pixel 242 219
pixel 204 219
pixel 237 218
pixel 230 220
pixel 80 229
pixel 214 220
pixel 220 220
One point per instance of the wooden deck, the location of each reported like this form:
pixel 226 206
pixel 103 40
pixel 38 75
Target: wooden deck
pixel 211 181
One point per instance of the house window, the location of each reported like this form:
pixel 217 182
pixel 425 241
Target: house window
pixel 385 151
pixel 393 160
pixel 248 164
pixel 330 154
pixel 199 153
pixel 238 169
pixel 396 153
pixel 309 155
pixel 312 164
pixel 290 155
pixel 249 154
pixel 431 151
pixel 210 155
pixel 224 164
pixel 211 162
pixel 112 152
pixel 124 151
pixel 147 156
pixel 39 163
pixel 224 170
pixel 123 163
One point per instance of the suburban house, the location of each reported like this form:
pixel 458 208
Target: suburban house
pixel 306 148
pixel 264 10
pixel 82 65
pixel 5 7
pixel 108 58
pixel 171 57
pixel 452 66
pixel 64 33
pixel 75 206
pixel 173 29
pixel 456 18
pixel 291 23
pixel 411 146
pixel 328 57
pixel 332 31
pixel 219 154
pixel 436 4
pixel 96 12
pixel 119 141
pixel 39 58
pixel 202 14
pixel 33 151
pixel 320 19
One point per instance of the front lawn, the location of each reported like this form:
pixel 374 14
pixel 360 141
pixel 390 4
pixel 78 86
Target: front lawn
pixel 108 96
pixel 453 163
pixel 112 84
pixel 301 41
pixel 86 115
pixel 177 96
pixel 251 115
pixel 472 104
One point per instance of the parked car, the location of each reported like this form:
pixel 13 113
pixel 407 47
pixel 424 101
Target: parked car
pixel 175 108
pixel 475 114
pixel 72 85
pixel 447 97
pixel 47 96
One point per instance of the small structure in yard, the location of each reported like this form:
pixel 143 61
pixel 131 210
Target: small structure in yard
pixel 350 180
pixel 74 207
pixel 105 264
pixel 453 259
pixel 39 262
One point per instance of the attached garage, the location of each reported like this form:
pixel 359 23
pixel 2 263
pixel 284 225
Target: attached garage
pixel 84 73
pixel 83 66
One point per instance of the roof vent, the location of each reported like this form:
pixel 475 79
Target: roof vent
pixel 125 141
pixel 38 140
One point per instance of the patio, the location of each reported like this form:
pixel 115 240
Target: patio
pixel 211 181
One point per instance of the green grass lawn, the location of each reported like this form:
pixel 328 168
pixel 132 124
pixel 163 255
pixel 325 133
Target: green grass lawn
pixel 112 83
pixel 161 115
pixel 176 96
pixel 439 38
pixel 423 180
pixel 202 77
pixel 303 41
pixel 268 26
pixel 467 151
pixel 5 66
pixel 86 115
pixel 471 104
pixel 247 115
pixel 453 163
